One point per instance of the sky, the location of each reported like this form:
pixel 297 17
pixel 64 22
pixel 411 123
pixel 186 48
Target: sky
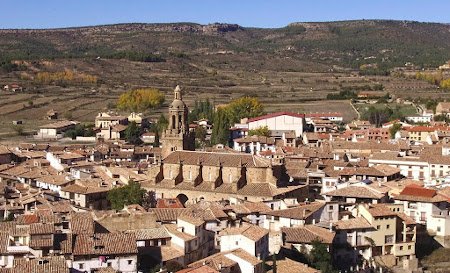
pixel 248 13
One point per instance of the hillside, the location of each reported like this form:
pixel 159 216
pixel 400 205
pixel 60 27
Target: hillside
pixel 81 71
pixel 347 43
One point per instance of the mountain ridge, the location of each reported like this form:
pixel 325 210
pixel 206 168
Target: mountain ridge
pixel 388 43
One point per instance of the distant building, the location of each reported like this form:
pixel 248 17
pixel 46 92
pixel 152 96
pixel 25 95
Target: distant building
pixel 55 130
pixel 280 121
pixel 426 117
pixel 105 120
pixel 52 114
pixel 334 117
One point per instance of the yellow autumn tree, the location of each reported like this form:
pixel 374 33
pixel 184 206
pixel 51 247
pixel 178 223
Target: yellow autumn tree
pixel 445 84
pixel 140 99
pixel 245 107
pixel 66 76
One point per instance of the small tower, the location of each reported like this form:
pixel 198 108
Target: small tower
pixel 177 136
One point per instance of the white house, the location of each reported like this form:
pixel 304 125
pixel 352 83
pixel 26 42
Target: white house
pixel 280 121
pixel 424 118
pixel 115 250
pixel 252 239
pixel 254 144
pixel 427 207
pixel 55 130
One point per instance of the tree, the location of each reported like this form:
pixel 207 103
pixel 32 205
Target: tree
pixel 394 129
pixel 442 117
pixel 379 116
pixel 320 258
pixel 80 130
pixel 173 266
pixel 200 133
pixel 18 129
pixel 126 195
pixel 162 123
pixel 431 105
pixel 221 133
pixel 133 133
pixel 149 200
pixel 201 110
pixel 140 99
pixel 261 131
pixel 245 107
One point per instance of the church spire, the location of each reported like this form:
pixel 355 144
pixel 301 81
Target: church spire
pixel 177 93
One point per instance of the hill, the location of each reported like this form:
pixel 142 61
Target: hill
pixel 382 43
pixel 81 71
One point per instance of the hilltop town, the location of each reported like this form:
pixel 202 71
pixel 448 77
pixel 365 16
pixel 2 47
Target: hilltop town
pixel 274 192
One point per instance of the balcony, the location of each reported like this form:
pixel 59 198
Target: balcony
pixel 18 249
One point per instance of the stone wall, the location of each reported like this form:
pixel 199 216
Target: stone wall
pixel 125 221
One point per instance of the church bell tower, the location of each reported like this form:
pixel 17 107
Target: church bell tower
pixel 177 136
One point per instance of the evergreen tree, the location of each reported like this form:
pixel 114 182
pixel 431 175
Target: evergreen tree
pixel 133 133
pixel 320 258
pixel 394 129
pixel 220 133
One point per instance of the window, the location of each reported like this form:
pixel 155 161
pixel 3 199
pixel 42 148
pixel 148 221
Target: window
pixel 130 262
pixel 378 227
pixel 330 207
pixel 388 226
pixel 409 247
pixel 81 266
pixel 109 264
pixel 388 239
pixel 401 247
pixel 237 243
pixel 422 216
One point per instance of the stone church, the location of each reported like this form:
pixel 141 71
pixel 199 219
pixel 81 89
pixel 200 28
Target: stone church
pixel 213 176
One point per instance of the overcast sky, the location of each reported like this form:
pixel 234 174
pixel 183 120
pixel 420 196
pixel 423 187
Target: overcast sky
pixel 256 13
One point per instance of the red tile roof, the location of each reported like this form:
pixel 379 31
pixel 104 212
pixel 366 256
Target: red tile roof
pixel 169 203
pixel 418 191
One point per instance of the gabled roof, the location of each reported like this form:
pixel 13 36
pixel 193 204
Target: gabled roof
pixel 357 192
pixel 260 139
pixel 301 212
pixel 105 244
pixel 40 265
pixel 252 232
pixel 417 193
pixel 307 234
pixel 277 114
pixel 59 124
pixel 216 159
pixel 353 223
pixel 286 265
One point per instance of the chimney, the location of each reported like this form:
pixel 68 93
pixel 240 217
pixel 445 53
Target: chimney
pixel 259 256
